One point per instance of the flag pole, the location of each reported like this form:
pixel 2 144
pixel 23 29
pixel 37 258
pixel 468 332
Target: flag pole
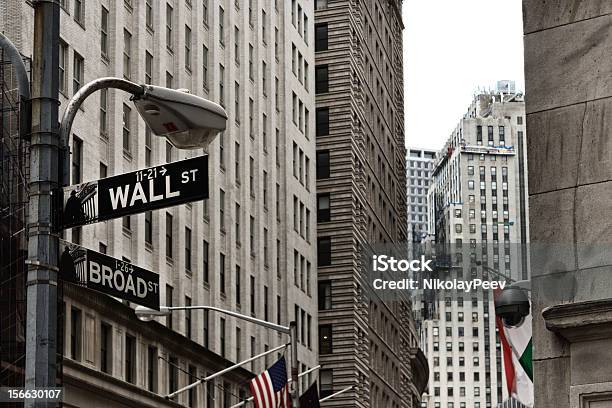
pixel 225 370
pixel 335 394
pixel 295 397
pixel 242 403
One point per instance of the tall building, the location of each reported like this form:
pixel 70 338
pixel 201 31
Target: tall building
pixel 419 173
pixel 478 215
pixel 364 341
pixel 250 248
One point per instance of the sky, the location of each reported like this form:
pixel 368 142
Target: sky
pixel 451 48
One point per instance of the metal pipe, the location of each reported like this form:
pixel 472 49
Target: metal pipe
pixel 242 403
pixel 73 107
pixel 43 245
pixel 225 370
pixel 21 72
pixel 295 398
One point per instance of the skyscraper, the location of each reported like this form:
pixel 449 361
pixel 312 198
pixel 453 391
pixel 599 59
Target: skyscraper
pixel 364 341
pixel 478 213
pixel 249 248
pixel 419 173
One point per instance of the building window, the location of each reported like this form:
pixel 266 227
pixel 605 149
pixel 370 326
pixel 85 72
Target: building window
pixel 192 396
pixel 320 4
pixel 206 324
pixel 321 37
pixel 77 160
pixel 152 369
pixel 325 296
pixel 188 317
pixel 326 378
pixel 324 251
pixel 205 261
pixel 106 348
pixel 79 12
pixel 63 59
pixel 322 119
pixel 323 164
pixel 149 228
pixel 321 79
pixel 187 249
pixel 188 48
pixel 323 207
pixel 78 72
pixel 130 359
pixel 325 339
pixel 222 273
pixel 104 32
pixel 127 141
pixel 169 25
pixel 169 303
pixel 205 67
pixel 75 334
pixel 149 14
pixel 252 296
pixel 172 374
pixel 221 26
pixel 221 85
pixel 222 337
pixel 169 243
pixel 127 54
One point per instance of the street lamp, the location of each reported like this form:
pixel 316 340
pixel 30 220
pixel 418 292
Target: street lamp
pixel 187 121
pixel 146 314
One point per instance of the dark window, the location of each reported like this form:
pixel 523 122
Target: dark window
pixel 322 164
pixel 130 359
pixel 490 133
pixel 321 79
pixel 222 273
pixel 206 328
pixel 324 251
pixel 172 374
pixel 326 377
pixel 479 133
pixel 322 125
pixel 188 249
pixel 323 205
pixel 149 228
pixel 152 369
pixel 325 339
pixel 252 295
pixel 238 281
pixel 106 344
pixel 77 160
pixel 188 317
pixel 168 235
pixel 266 303
pixel 205 269
pixel 325 295
pixel 75 334
pixel 192 396
pixel 169 304
pixel 320 37
pixel 222 337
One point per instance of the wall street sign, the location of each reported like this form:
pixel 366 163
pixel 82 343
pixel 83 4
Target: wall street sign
pixel 136 192
pixel 108 275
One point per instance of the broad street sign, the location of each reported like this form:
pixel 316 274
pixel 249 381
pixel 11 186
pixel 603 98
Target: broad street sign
pixel 136 192
pixel 108 275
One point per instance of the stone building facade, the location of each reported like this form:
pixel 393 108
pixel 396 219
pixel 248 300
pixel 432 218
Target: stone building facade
pixel 568 81
pixel 419 173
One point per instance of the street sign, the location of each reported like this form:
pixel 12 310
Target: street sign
pixel 136 192
pixel 108 275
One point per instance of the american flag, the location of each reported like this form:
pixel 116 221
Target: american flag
pixel 270 388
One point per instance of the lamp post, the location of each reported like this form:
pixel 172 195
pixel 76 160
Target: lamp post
pixel 146 314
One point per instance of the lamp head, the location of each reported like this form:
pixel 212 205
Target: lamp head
pixel 146 315
pixel 188 121
pixel 512 305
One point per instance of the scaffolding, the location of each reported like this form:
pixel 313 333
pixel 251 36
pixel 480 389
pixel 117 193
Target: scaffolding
pixel 14 177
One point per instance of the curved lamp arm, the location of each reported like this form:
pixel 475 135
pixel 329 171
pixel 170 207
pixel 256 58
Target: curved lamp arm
pixel 73 107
